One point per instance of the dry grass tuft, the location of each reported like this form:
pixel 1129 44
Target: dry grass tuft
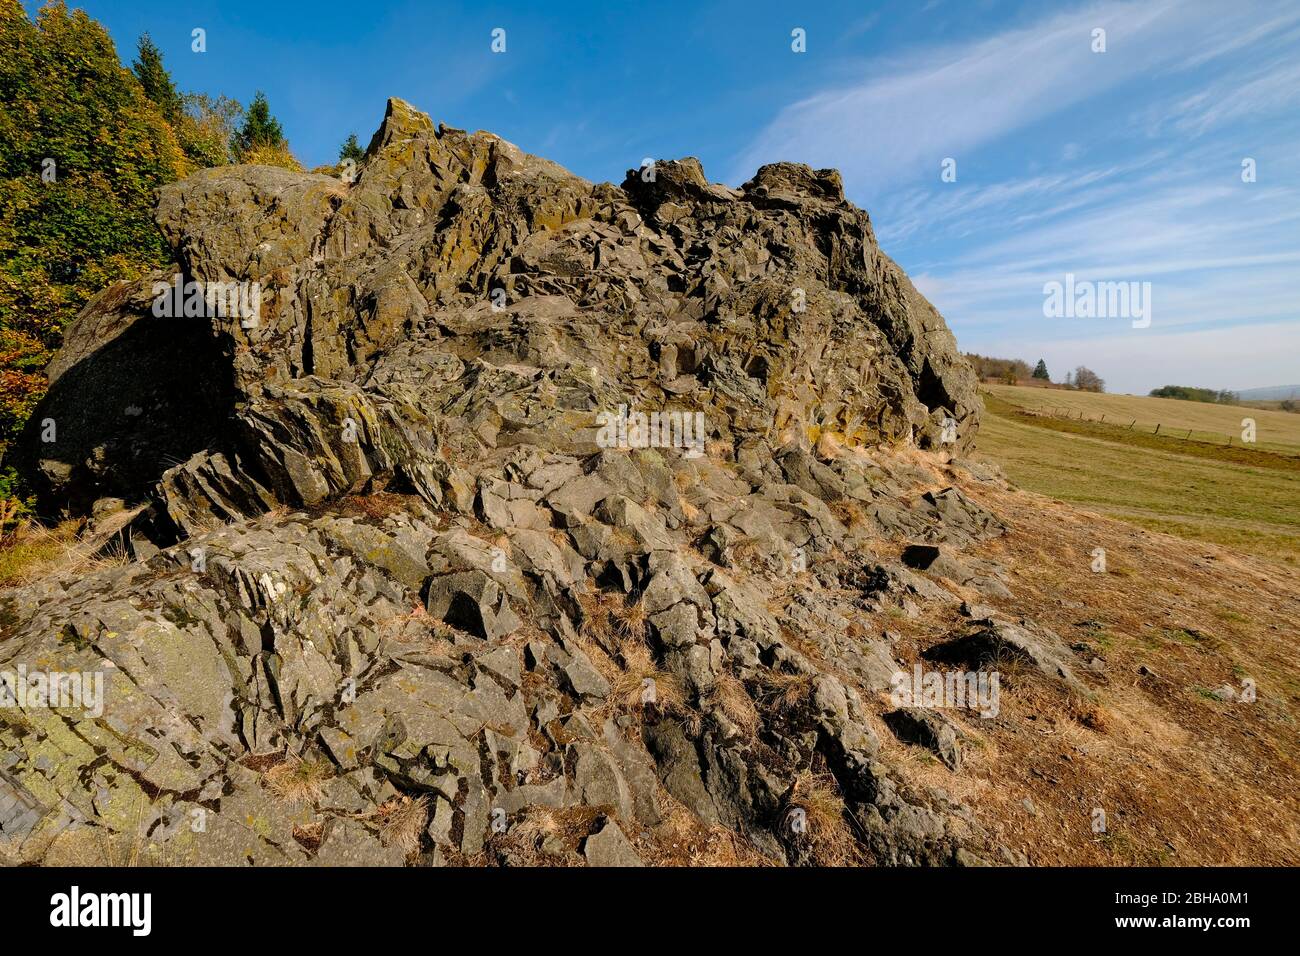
pixel 1087 712
pixel 827 829
pixel 595 607
pixel 298 781
pixel 32 552
pixel 376 505
pixel 309 835
pixel 612 635
pixel 731 697
pixel 402 821
pixel 747 553
pixel 642 686
pixel 784 692
pixel 536 825
pixel 549 835
pixel 629 619
pixel 682 839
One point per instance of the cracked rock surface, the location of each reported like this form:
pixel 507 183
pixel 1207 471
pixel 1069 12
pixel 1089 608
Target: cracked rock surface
pixel 392 599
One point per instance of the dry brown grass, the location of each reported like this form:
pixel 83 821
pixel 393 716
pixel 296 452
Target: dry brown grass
pixel 827 832
pixel 33 552
pixel 730 696
pixel 309 835
pixel 402 821
pixel 682 839
pixel 561 828
pixel 612 635
pixel 641 688
pixel 747 553
pixel 1183 777
pixel 719 450
pixel 784 692
pixel 630 619
pixel 537 823
pixel 299 781
pixel 375 506
pixel 601 658
pixel 415 625
pixel 595 606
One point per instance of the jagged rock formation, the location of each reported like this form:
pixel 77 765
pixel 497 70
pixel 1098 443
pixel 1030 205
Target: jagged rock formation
pixel 385 563
pixel 461 280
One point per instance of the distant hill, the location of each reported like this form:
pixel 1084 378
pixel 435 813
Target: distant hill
pixel 1271 393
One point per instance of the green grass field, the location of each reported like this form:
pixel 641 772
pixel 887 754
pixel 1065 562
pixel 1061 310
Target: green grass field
pixel 1244 498
pixel 1274 430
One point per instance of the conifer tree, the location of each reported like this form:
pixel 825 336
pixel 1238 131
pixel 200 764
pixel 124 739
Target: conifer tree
pixel 155 80
pixel 260 128
pixel 351 149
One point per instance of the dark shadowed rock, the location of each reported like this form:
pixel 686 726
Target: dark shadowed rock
pixel 932 730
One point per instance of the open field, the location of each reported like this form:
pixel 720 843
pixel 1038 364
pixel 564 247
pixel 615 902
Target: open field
pixel 1185 776
pixel 1238 497
pixel 1275 430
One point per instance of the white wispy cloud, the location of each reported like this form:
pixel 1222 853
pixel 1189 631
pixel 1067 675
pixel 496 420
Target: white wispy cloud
pixel 1152 196
pixel 914 111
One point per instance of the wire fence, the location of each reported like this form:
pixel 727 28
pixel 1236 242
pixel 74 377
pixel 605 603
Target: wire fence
pixel 1213 438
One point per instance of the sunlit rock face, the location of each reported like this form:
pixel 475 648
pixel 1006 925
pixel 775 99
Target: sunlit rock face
pixel 461 494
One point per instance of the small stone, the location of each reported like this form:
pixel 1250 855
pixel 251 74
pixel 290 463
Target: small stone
pixel 609 847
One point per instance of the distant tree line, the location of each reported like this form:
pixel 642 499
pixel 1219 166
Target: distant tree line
pixel 1189 394
pixel 991 369
pixel 1011 371
pixel 1085 379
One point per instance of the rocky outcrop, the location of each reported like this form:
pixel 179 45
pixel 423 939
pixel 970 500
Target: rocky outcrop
pixel 413 580
pixel 460 280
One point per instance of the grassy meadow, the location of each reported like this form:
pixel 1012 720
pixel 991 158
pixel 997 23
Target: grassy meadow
pixel 1274 430
pixel 1246 498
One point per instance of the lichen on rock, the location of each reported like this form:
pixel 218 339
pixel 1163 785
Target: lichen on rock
pixel 384 546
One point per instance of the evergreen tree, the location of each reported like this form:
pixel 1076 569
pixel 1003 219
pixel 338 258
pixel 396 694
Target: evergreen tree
pixel 260 128
pixel 155 80
pixel 1040 371
pixel 351 149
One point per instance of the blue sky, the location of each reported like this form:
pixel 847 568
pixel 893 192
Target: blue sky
pixel 1117 166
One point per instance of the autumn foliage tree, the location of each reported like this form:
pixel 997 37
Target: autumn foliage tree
pixel 84 145
pixel 82 149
